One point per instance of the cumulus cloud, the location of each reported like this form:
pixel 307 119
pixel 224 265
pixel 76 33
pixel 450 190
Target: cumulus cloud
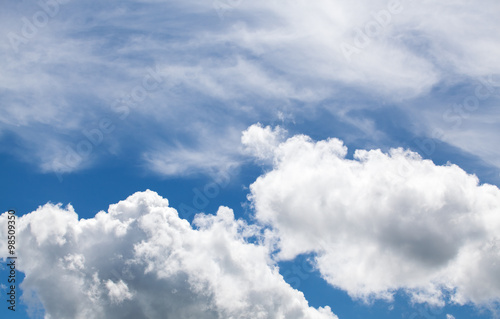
pixel 383 221
pixel 260 141
pixel 140 260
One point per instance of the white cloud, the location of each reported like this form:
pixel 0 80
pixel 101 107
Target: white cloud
pixel 179 161
pixel 140 260
pixel 208 155
pixel 448 316
pixel 260 141
pixel 382 222
pixel 118 292
pixel 261 56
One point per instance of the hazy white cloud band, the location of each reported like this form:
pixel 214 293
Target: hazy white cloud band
pixel 220 75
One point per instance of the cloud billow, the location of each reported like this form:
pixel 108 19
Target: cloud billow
pixel 382 221
pixel 140 260
pixel 376 223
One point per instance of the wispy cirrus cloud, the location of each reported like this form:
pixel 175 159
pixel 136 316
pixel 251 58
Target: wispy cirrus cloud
pixel 261 59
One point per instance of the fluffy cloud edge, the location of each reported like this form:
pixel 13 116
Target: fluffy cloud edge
pixel 141 260
pixel 382 222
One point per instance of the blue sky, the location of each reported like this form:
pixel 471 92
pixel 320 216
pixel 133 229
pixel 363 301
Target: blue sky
pixel 339 154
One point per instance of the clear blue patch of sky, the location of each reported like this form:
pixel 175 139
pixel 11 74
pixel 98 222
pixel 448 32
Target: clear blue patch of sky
pixel 92 190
